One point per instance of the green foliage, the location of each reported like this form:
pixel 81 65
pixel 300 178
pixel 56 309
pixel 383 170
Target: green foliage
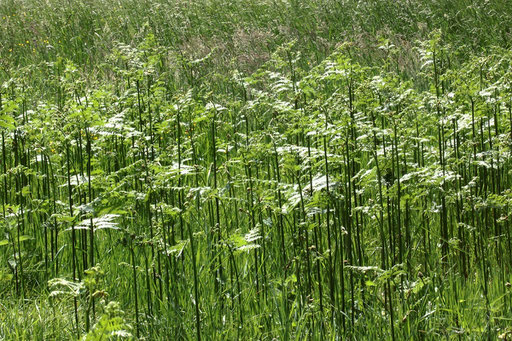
pixel 110 326
pixel 255 170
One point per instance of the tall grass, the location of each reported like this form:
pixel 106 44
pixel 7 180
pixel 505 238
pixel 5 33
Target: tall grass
pixel 166 175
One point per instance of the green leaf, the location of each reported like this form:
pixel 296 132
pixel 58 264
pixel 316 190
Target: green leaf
pixel 25 238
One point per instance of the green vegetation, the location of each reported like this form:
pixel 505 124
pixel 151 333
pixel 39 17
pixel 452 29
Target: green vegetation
pixel 255 170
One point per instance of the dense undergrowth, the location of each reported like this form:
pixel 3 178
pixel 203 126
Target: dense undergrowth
pixel 255 170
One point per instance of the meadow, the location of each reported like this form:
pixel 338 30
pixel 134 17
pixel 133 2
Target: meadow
pixel 255 170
